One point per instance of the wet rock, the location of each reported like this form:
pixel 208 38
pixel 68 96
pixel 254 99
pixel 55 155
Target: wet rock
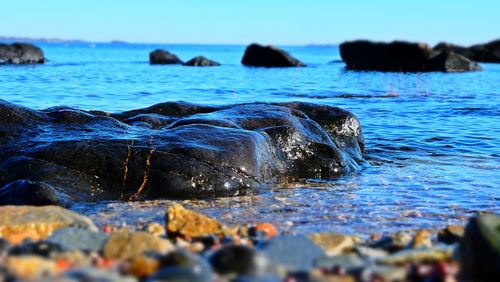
pixel 451 234
pixel 78 239
pixel 332 243
pixel 188 223
pixel 25 192
pixel 163 57
pixel 296 253
pixel 395 242
pixel 21 53
pixel 125 245
pixel 95 274
pixel 20 222
pixel 195 151
pixel 155 229
pixel 237 261
pixel 488 52
pixel 401 56
pixel 480 249
pixel 183 266
pixel 30 267
pixel 201 61
pixel 268 56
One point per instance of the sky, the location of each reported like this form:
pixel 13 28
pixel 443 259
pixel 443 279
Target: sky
pixel 281 22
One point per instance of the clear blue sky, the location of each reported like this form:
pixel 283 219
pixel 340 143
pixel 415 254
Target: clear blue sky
pixel 244 21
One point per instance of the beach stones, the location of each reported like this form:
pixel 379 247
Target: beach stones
pixel 332 243
pixel 78 239
pixel 190 224
pixel 400 56
pixel 201 61
pixel 170 150
pixel 19 223
pixel 163 57
pixel 268 56
pixel 480 249
pixel 21 53
pixel 126 245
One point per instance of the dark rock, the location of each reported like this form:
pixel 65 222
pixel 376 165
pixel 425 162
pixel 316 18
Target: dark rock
pixel 480 249
pixel 201 61
pixel 25 192
pixel 39 248
pixel 238 260
pixel 78 239
pixel 487 53
pixel 21 53
pixel 401 57
pixel 181 266
pixel 163 57
pixel 4 246
pixel 451 234
pixel 173 150
pixel 296 253
pixel 268 56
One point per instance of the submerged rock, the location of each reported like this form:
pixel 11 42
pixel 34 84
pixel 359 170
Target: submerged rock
pixel 187 151
pixel 163 57
pixel 268 56
pixel 401 56
pixel 21 53
pixel 201 61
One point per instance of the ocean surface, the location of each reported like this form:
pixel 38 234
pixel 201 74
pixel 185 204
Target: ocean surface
pixel 432 139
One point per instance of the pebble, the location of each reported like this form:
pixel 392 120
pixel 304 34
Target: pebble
pixel 125 245
pixel 180 266
pixel 267 228
pixel 188 223
pixel 332 243
pixel 294 252
pixel 344 263
pixel 155 229
pixel 96 275
pixel 422 239
pixel 143 266
pixel 18 223
pixel 39 248
pixel 30 267
pixel 420 255
pixel 451 234
pixel 72 238
pixel 238 260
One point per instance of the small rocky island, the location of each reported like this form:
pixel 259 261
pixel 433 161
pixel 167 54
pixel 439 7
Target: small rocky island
pixel 268 56
pixel 20 53
pixel 400 56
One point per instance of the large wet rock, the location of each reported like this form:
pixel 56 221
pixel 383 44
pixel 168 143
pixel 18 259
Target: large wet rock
pixel 170 150
pixel 21 53
pixel 402 56
pixel 488 52
pixel 163 57
pixel 268 56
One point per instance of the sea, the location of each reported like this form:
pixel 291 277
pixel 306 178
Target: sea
pixel 432 139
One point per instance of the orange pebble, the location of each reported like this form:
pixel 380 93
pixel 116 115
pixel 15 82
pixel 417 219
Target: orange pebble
pixel 107 229
pixel 268 228
pixel 62 265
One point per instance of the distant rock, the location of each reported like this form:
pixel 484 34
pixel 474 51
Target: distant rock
pixel 201 61
pixel 268 56
pixel 163 57
pixel 21 53
pixel 480 249
pixel 400 56
pixel 487 53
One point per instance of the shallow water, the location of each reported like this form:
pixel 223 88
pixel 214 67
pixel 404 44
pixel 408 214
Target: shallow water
pixel 433 139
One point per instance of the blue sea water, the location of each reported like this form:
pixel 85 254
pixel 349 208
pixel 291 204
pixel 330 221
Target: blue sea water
pixel 432 139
